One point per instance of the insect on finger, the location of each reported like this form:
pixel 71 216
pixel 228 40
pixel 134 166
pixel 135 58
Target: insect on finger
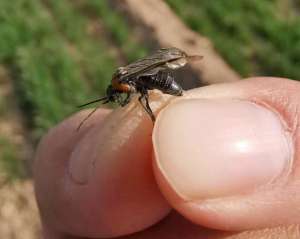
pixel 148 73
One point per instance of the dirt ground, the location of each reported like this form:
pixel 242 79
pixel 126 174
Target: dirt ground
pixel 18 211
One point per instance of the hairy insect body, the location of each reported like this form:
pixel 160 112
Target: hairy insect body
pixel 119 86
pixel 151 72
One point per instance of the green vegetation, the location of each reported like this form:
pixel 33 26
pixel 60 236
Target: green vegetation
pixel 255 37
pixel 10 165
pixel 118 28
pixel 3 108
pixel 47 76
pixel 55 63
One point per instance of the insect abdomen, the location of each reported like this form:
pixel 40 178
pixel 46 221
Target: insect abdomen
pixel 165 82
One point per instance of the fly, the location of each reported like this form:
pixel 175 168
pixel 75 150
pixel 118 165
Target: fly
pixel 151 72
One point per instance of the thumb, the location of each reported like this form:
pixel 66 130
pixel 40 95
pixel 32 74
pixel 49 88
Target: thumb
pixel 226 156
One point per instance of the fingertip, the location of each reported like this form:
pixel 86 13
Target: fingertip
pixel 107 173
pixel 213 149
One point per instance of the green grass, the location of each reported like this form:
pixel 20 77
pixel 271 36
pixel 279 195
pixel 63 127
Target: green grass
pixel 47 76
pixel 11 167
pixel 3 108
pixel 255 37
pixel 54 62
pixel 96 62
pixel 118 28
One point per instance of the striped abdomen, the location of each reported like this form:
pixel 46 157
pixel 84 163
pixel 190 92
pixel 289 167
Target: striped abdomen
pixel 163 81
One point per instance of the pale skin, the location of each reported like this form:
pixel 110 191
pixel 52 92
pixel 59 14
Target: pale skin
pixel 119 177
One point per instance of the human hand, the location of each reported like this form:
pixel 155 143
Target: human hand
pixel 225 157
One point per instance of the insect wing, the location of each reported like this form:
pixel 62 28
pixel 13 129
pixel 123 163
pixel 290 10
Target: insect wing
pixel 145 64
pixel 153 71
pixel 193 58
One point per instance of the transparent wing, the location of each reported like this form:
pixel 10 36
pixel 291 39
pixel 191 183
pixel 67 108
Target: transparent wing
pixel 166 58
pixel 145 64
pixel 159 58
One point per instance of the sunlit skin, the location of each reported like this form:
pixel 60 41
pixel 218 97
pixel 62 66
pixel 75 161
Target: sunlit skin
pixel 117 176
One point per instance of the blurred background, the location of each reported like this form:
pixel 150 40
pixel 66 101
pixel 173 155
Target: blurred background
pixel 57 54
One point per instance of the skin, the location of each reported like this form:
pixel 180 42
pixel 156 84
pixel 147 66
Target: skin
pixel 105 181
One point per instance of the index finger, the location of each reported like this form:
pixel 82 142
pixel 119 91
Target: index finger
pixel 98 182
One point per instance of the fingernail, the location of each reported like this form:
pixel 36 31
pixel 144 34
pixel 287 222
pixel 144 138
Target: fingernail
pixel 215 148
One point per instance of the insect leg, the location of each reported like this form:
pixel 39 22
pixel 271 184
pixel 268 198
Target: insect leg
pixel 118 99
pixel 146 106
pixel 126 100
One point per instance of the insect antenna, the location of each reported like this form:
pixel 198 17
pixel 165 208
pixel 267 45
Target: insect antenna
pixel 94 101
pixel 105 99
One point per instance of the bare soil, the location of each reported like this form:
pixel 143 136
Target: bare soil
pixel 18 211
